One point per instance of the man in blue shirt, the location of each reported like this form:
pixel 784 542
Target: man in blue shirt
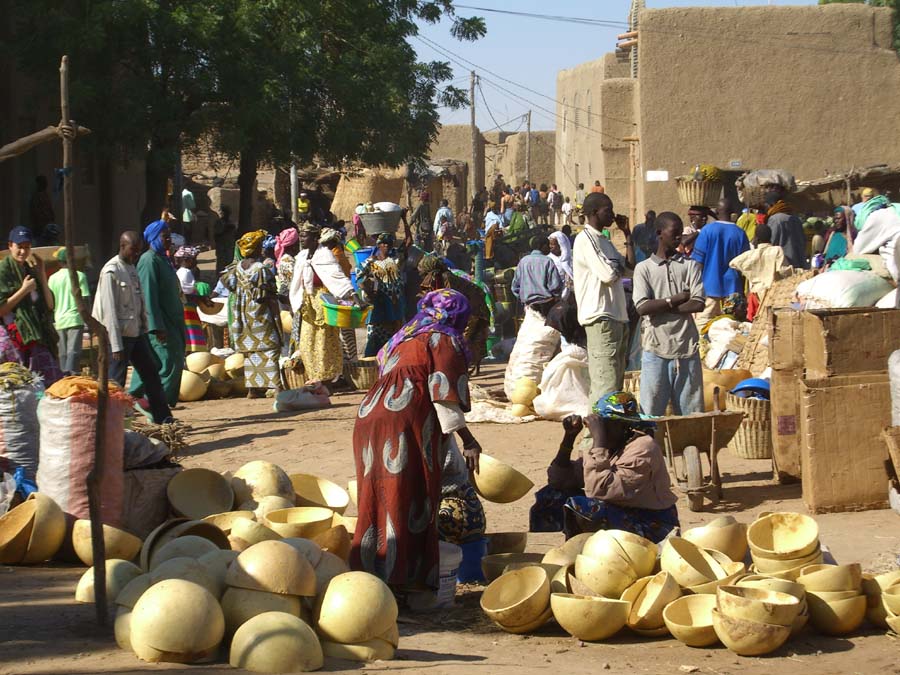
pixel 718 243
pixel 538 285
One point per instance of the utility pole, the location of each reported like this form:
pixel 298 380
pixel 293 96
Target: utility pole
pixel 633 183
pixel 295 193
pixel 528 146
pixel 474 171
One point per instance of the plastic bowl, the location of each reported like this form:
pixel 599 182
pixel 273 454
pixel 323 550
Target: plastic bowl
pixel 783 536
pixel 689 620
pixel 589 618
pixel 498 482
pixel 749 638
pixel 756 604
pixel 517 598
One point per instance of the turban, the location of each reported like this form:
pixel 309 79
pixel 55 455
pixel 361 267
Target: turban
pixel 251 242
pixel 285 239
pixel 329 234
pixel 153 236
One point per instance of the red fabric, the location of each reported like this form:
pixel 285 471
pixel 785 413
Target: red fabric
pixel 752 305
pixel 399 481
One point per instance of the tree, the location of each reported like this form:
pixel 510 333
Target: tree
pixel 893 4
pixel 329 80
pixel 271 80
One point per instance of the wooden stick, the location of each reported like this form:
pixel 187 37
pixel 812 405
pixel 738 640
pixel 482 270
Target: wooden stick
pixel 24 144
pixel 96 473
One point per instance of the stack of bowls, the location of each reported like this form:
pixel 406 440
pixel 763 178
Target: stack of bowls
pixel 782 544
pixel 723 534
pixel 837 604
pixel 493 566
pixel 753 621
pixel 877 612
pixel 519 601
pixel 695 569
pixel 782 586
pixel 649 596
pixel 613 560
pixel 733 571
pixel 566 553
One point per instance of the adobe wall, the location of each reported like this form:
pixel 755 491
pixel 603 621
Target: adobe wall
pixel 808 89
pixel 454 141
pixel 511 158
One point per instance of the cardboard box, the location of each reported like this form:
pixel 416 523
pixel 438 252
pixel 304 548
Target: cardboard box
pixel 785 399
pixel 785 338
pixel 848 341
pixel 842 451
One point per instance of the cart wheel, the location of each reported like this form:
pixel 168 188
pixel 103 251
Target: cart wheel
pixel 694 471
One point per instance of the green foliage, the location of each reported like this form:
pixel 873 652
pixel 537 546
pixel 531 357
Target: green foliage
pixel 280 79
pixel 893 4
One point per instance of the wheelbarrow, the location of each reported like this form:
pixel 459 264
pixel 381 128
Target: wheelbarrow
pixel 689 435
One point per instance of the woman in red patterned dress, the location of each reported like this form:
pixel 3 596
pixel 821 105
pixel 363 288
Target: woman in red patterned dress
pixel 400 441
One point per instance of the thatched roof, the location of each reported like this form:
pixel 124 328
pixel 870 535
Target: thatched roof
pixel 857 177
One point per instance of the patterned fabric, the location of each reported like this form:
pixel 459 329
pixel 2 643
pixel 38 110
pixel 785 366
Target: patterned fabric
pixel 460 516
pixel 397 443
pixel 285 273
pixel 320 344
pixel 378 334
pixel 623 406
pixel 255 331
pixel 250 243
pixel 9 350
pixel 583 514
pixel 33 319
pixel 193 327
pixel 261 369
pixel 40 360
pixel 444 311
pixel 348 344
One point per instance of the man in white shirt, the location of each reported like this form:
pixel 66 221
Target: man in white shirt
pixel 119 306
pixel 602 308
pixel 443 212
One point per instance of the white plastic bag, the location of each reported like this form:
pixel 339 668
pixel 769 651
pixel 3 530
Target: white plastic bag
pixel 888 301
pixel 7 491
pixel 565 386
pixel 535 345
pixel 843 288
pixel 310 397
pixel 19 429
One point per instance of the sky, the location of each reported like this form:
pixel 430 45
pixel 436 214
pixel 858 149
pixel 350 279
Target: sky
pixel 529 51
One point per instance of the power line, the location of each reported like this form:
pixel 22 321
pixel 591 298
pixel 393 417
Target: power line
pixel 486 106
pixel 436 46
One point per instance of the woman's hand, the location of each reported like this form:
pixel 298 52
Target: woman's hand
pixel 472 454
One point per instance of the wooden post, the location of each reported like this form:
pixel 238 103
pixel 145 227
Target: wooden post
pixel 632 146
pixel 528 147
pixel 473 170
pixel 94 477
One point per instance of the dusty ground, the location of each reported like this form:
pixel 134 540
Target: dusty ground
pixel 42 629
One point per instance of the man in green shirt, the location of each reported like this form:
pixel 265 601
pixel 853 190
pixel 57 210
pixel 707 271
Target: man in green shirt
pixel 69 325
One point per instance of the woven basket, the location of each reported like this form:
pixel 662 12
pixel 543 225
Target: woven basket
pixel 292 375
pixel 699 192
pixel 753 439
pixel 363 373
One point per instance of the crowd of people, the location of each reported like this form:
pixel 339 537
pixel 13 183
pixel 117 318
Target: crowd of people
pixel 647 301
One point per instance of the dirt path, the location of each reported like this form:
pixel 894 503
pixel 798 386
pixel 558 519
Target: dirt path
pixel 42 629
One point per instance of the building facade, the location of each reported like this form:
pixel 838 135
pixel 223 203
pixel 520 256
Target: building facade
pixel 813 90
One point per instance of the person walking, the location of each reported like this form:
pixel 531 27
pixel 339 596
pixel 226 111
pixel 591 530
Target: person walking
pixel 69 325
pixel 554 203
pixel 165 311
pixel 119 305
pixel 26 309
pixel 668 288
pixel 602 308
pixel 189 215
pixel 787 228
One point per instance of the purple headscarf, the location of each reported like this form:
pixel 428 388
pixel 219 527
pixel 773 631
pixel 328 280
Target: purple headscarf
pixel 444 311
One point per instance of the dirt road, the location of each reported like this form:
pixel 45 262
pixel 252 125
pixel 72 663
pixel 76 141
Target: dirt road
pixel 42 629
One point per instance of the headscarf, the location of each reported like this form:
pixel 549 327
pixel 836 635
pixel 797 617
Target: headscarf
pixel 251 242
pixel 285 239
pixel 869 207
pixel 849 222
pixel 386 238
pixel 269 243
pixel 329 234
pixel 444 311
pixel 153 236
pixel 60 254
pixel 310 228
pixel 780 206
pixel 563 261
pixel 187 252
pixel 623 407
pixel 430 264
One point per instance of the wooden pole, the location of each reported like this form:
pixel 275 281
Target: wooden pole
pixel 25 143
pixel 528 147
pixel 94 477
pixel 473 170
pixel 632 146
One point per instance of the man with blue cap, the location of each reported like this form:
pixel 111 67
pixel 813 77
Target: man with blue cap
pixel 28 335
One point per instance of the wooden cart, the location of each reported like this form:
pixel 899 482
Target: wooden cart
pixel 689 435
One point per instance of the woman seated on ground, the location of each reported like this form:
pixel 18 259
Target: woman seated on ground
pixel 401 440
pixel 621 483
